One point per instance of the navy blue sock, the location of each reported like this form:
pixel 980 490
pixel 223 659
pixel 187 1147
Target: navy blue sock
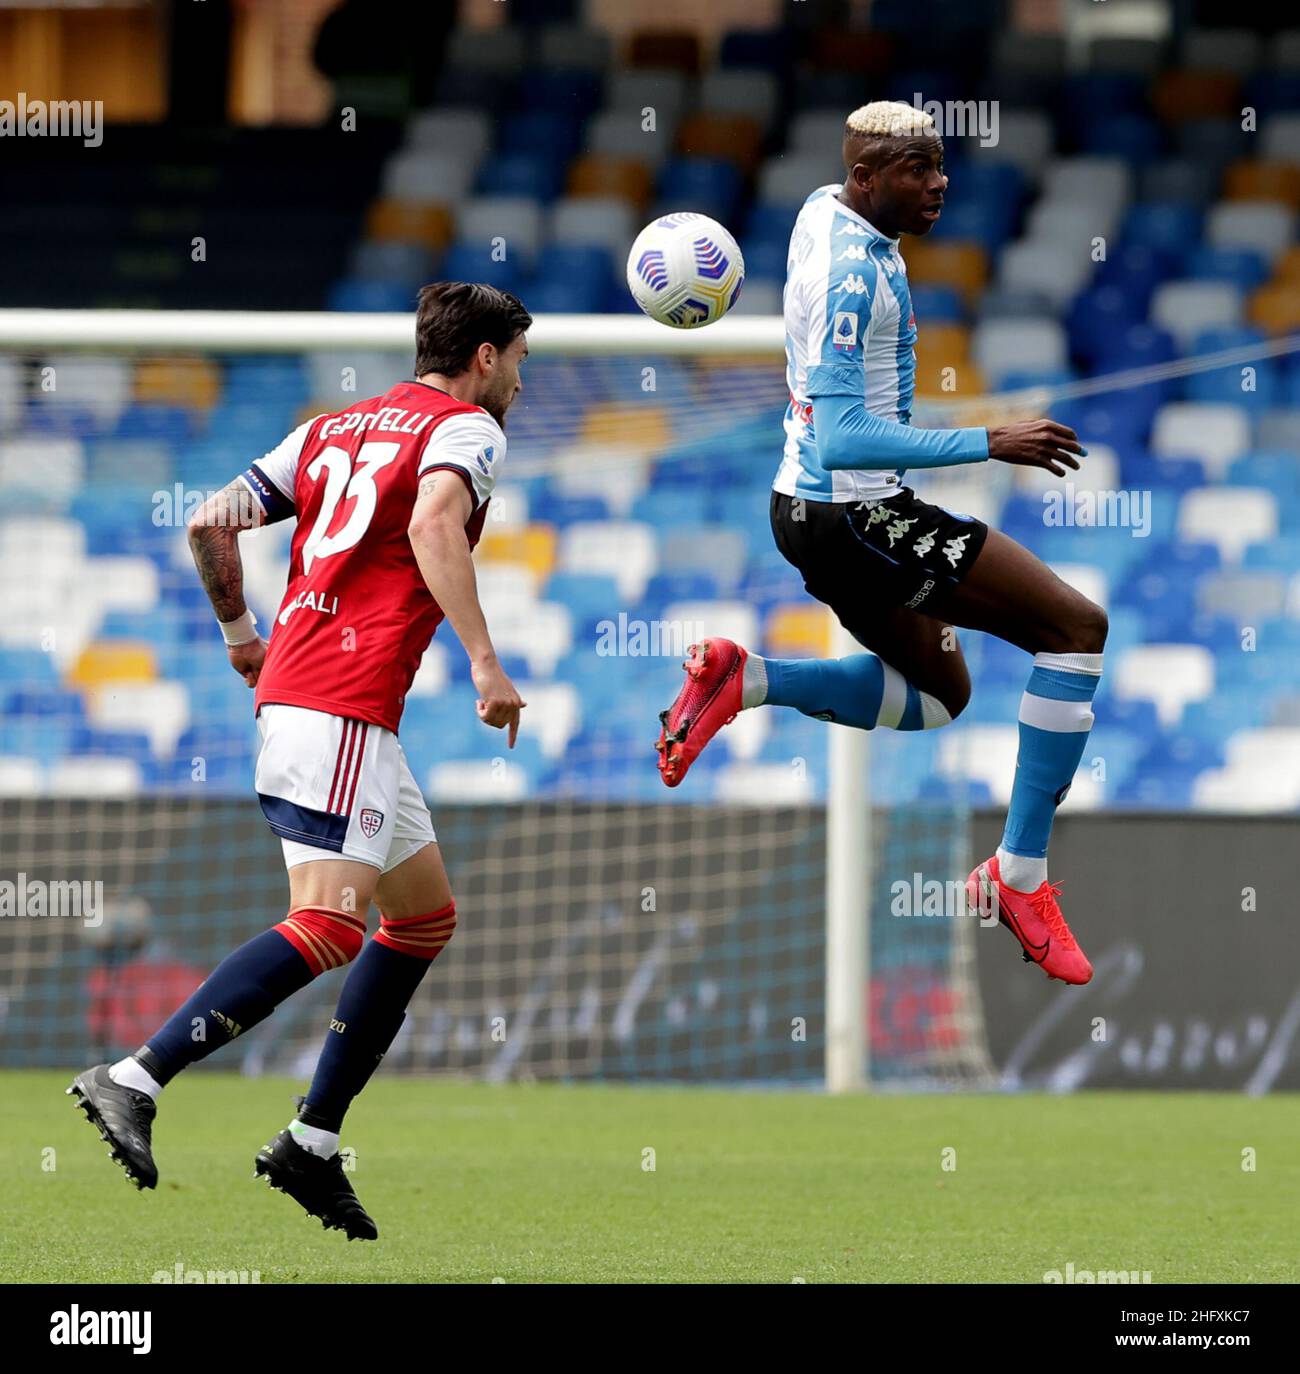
pixel 245 988
pixel 371 1009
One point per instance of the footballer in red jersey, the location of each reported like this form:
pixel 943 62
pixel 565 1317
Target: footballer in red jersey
pixel 389 497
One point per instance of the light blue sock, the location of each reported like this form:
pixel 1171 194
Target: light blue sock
pixel 1055 718
pixel 861 690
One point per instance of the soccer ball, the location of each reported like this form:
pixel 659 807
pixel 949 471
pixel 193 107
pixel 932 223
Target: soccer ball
pixel 685 270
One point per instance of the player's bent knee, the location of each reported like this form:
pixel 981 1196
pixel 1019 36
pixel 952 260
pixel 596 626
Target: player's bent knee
pixel 1091 629
pixel 423 937
pixel 325 937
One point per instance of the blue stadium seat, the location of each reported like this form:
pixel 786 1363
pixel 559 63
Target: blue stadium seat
pixel 366 296
pixel 173 424
pixel 535 173
pixel 1170 225
pixel 470 262
pixel 572 92
pixel 1134 137
pixel 589 596
pixel 700 183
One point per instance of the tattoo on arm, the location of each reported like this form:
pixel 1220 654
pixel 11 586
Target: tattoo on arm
pixel 214 542
pixel 428 484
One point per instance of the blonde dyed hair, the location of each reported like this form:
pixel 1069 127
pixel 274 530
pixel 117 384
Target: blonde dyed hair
pixel 890 119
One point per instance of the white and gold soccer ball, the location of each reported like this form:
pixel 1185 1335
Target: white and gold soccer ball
pixel 685 270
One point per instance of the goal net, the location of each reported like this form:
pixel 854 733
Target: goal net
pixel 609 927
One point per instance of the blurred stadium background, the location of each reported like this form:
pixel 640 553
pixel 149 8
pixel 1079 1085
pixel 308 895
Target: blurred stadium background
pixel 618 929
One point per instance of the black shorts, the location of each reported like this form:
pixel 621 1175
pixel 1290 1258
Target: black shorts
pixel 861 559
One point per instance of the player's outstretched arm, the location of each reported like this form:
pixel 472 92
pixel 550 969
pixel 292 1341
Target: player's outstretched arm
pixel 214 541
pixel 437 533
pixel 850 436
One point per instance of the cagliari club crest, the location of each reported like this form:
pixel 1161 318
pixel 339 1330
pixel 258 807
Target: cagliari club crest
pixel 371 820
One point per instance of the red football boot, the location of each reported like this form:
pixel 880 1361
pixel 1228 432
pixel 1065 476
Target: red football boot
pixel 1034 918
pixel 709 699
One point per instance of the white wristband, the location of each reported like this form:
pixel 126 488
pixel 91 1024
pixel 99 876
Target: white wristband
pixel 239 631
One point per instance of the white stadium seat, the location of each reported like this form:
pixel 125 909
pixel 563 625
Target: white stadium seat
pixel 599 221
pixel 484 780
pixel 622 133
pixel 553 715
pixel 1170 675
pixel 47 467
pixel 1185 308
pixel 1229 517
pixel 662 89
pixel 540 632
pixel 102 386
pixel 1265 226
pixel 514 220
pixel 623 549
pixel 427 177
pixel 763 784
pixel 123 584
pixel 160 710
pixel 1025 139
pixel 467 131
pixel 433 675
pixel 742 91
pixel 93 775
pixel 22 777
pixel 1089 181
pixel 1214 434
pixel 983 753
pixel 736 620
pixel 1002 346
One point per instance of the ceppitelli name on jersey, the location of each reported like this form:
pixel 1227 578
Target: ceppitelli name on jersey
pixel 309 601
pixel 392 419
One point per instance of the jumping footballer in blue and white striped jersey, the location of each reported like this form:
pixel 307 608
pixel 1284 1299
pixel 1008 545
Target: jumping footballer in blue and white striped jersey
pixel 898 572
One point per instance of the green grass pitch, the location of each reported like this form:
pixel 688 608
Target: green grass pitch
pixel 547 1183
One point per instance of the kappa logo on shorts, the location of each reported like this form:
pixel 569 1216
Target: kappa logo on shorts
pixel 371 820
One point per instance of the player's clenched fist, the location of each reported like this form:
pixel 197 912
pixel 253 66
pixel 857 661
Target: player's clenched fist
pixel 1037 444
pixel 499 704
pixel 246 659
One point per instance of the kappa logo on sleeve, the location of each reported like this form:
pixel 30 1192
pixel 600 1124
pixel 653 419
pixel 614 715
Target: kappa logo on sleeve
pixel 844 330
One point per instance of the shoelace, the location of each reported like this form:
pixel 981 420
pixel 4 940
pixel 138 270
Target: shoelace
pixel 1045 905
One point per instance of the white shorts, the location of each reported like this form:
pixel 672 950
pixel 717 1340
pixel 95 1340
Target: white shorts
pixel 337 788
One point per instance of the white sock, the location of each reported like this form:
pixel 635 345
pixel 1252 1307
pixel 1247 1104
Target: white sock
pixel 753 683
pixel 1021 872
pixel 323 1143
pixel 131 1073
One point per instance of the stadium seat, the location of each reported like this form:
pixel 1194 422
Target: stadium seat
pixel 1170 675
pixel 509 224
pixel 436 130
pixel 1264 226
pixel 622 134
pixel 1230 517
pixel 1215 434
pixel 1186 308
pixel 428 177
pixel 763 784
pixel 735 620
pixel 592 221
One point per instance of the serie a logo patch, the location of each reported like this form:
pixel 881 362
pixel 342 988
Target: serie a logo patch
pixel 844 329
pixel 371 820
